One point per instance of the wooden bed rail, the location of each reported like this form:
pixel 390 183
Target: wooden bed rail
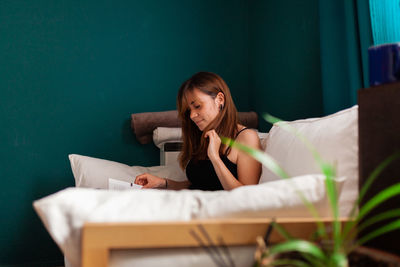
pixel 99 238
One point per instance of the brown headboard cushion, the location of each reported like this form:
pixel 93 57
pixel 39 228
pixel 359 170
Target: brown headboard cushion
pixel 143 124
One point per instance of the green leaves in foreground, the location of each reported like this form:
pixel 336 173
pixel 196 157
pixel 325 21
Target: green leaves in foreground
pixel 326 168
pixel 349 230
pixel 313 255
pixel 262 157
pixel 342 243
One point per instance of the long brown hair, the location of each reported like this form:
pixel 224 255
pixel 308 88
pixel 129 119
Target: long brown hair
pixel 225 124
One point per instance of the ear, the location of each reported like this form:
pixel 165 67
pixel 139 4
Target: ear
pixel 220 99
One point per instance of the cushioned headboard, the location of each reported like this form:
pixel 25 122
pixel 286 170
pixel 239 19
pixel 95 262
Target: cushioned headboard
pixel 143 124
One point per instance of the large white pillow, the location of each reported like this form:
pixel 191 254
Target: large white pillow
pixel 94 173
pixel 335 137
pixel 277 199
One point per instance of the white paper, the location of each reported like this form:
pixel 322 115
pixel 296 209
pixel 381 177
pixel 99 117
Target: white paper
pixel 114 184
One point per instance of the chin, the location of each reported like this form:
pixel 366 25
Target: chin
pixel 202 126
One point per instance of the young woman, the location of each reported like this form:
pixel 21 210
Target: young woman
pixel 207 111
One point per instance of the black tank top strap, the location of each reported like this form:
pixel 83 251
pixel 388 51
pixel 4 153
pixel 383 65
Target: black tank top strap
pixel 229 148
pixel 244 128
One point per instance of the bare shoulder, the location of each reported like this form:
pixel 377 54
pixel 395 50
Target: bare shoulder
pixel 249 137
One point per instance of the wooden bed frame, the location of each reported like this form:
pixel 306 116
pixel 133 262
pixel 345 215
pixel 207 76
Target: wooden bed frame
pixel 98 239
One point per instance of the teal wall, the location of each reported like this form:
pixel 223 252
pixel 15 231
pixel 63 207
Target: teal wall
pixel 341 60
pixel 72 72
pixel 285 59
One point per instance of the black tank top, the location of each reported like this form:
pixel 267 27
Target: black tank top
pixel 202 175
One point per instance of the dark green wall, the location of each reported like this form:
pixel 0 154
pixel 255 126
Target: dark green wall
pixel 72 72
pixel 284 59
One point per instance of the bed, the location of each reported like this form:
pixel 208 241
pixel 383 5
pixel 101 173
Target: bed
pixel 96 227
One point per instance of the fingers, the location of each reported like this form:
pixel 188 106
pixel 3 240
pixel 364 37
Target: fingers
pixel 148 181
pixel 210 133
pixel 141 179
pixel 142 175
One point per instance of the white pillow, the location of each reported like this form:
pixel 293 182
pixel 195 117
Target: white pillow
pixel 94 173
pixel 277 199
pixel 162 135
pixel 335 137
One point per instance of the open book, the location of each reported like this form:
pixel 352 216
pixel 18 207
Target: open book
pixel 114 184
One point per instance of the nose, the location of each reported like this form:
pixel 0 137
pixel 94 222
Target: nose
pixel 192 114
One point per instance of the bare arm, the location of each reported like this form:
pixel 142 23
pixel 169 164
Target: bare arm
pixel 174 185
pixel 249 170
pixel 151 181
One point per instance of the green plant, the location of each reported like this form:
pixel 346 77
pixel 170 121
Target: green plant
pixel 330 248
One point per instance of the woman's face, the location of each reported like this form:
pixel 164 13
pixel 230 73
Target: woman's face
pixel 203 108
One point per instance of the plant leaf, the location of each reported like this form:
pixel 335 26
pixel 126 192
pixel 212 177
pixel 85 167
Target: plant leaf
pixel 300 246
pixel 271 164
pixel 380 231
pixel 306 256
pixel 282 231
pixel 377 171
pixel 287 236
pixel 339 260
pixel 284 125
pixel 327 169
pixel 349 226
pixel 332 195
pixel 380 217
pixel 271 119
pixel 382 196
pixel 289 262
pixel 259 155
pixel 351 235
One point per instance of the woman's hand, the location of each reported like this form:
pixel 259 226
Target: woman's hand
pixel 213 145
pixel 150 181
